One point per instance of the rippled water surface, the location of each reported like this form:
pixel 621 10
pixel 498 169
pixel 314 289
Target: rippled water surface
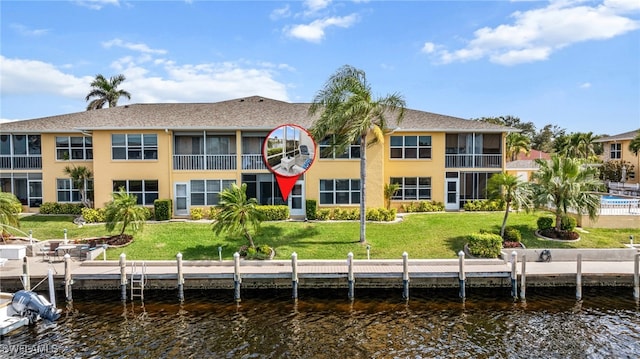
pixel 325 324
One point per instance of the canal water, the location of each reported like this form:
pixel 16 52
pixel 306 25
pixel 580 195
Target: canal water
pixel 325 324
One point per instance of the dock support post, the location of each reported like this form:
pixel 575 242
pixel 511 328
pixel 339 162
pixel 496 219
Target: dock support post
pixel 579 277
pixel 523 278
pixel 52 288
pixel 26 277
pixel 294 275
pixel 514 275
pixel 462 275
pixel 350 276
pixel 180 277
pixel 405 276
pixel 237 279
pixel 123 277
pixel 67 278
pixel 636 277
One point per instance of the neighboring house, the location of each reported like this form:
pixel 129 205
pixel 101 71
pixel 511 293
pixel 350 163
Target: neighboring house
pixel 525 164
pixel 189 152
pixel 616 148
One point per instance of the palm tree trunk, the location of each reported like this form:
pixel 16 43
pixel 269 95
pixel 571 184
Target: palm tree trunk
pixel 363 186
pixel 248 235
pixel 504 220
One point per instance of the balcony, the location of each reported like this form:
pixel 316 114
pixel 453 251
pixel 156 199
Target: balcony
pixel 253 162
pixel 473 161
pixel 21 162
pixel 204 162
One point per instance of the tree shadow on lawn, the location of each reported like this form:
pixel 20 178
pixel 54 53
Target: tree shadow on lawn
pixel 456 244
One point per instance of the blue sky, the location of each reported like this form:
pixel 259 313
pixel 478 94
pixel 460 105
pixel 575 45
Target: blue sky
pixel 575 64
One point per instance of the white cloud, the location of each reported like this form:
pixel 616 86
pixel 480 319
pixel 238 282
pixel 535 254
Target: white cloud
pixel 535 34
pixel 20 76
pixel 428 47
pixel 26 31
pixel 316 5
pixel 280 13
pixel 132 46
pixel 585 85
pixel 315 31
pixel 96 4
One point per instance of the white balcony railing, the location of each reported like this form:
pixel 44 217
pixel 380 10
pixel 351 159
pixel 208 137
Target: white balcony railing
pixel 204 162
pixel 473 161
pixel 21 162
pixel 253 162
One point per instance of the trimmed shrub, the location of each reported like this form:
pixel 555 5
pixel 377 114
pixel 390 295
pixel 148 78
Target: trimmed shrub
pixel 544 223
pixel 61 208
pixel 486 245
pixel 275 213
pixel 311 209
pixel 323 214
pixel 213 213
pixel 381 214
pixel 568 223
pixel 512 235
pixel 163 209
pixel 484 205
pixel 422 206
pixel 199 213
pixel 91 215
pixel 373 214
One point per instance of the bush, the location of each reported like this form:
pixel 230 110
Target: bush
pixel 544 223
pixel 422 206
pixel 199 213
pixel 484 205
pixel 274 213
pixel 512 235
pixel 381 214
pixel 163 209
pixel 91 215
pixel 61 208
pixel 486 245
pixel 323 214
pixel 311 209
pixel 213 212
pixel 260 252
pixel 568 223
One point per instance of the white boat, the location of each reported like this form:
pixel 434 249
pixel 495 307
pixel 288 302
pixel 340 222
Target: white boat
pixel 24 308
pixel 10 320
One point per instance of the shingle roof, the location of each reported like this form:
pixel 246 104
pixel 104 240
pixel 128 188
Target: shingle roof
pixel 621 137
pixel 253 113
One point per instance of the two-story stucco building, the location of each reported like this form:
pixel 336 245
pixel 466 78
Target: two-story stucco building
pixel 189 152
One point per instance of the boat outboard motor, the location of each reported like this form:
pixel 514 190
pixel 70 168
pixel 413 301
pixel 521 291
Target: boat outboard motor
pixel 31 305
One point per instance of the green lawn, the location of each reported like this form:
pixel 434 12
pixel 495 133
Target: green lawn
pixel 429 235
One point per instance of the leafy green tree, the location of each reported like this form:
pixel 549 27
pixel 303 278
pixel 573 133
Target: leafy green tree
pixel 634 145
pixel 390 190
pixel 124 211
pixel 564 183
pixel 349 113
pixel 106 92
pixel 238 214
pixel 517 143
pixel 10 208
pixel 514 192
pixel 80 175
pixel 544 140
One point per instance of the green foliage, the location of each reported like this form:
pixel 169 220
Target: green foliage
pixel 381 214
pixel 323 214
pixel 213 212
pixel 10 208
pixel 485 205
pixel 568 223
pixel 512 234
pixel 238 215
pixel 198 213
pixel 163 209
pixel 544 223
pixel 274 213
pixel 486 245
pixel 61 208
pixel 311 209
pixel 612 170
pixel 260 252
pixel 422 206
pixel 123 211
pixel 92 215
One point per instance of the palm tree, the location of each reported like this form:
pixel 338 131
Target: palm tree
pixel 634 145
pixel 516 143
pixel 106 92
pixel 124 210
pixel 586 145
pixel 80 176
pixel 563 183
pixel 512 191
pixel 10 208
pixel 348 114
pixel 238 214
pixel 390 190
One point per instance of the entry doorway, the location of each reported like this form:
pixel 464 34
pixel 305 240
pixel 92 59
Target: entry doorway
pixel 181 199
pixel 296 200
pixel 452 194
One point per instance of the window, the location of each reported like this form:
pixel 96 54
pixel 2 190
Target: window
pixel 22 145
pixel 145 190
pixel 410 147
pixel 134 147
pixel 412 188
pixel 207 192
pixel 27 187
pixel 74 148
pixel 340 191
pixel 68 191
pixel 351 152
pixel 616 151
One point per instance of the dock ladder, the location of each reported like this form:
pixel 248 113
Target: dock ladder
pixel 138 280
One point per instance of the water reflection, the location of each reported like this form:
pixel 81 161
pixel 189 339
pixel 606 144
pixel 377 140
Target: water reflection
pixel 488 324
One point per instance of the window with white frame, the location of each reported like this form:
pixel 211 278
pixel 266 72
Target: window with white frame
pixel 616 151
pixel 74 148
pixel 339 191
pixel 410 147
pixel 351 152
pixel 207 192
pixel 68 191
pixel 146 191
pixel 134 146
pixel 412 188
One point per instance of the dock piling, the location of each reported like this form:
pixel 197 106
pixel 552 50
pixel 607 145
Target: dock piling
pixel 523 278
pixel 514 275
pixel 636 276
pixel 405 276
pixel 350 276
pixel 579 277
pixel 180 277
pixel 294 274
pixel 237 279
pixel 461 275
pixel 26 277
pixel 123 277
pixel 52 288
pixel 67 278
